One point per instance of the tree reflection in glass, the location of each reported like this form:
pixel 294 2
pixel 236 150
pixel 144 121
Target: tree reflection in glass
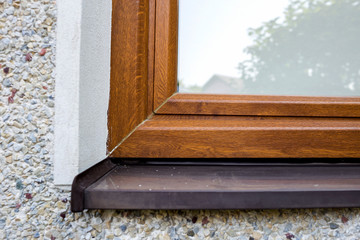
pixel 313 49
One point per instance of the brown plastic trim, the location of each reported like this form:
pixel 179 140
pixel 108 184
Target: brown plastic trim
pixel 186 136
pixel 114 184
pixel 85 179
pixel 261 105
pixel 221 201
pixel 130 91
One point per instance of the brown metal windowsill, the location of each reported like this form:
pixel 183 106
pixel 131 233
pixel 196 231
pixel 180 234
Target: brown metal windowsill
pixel 111 185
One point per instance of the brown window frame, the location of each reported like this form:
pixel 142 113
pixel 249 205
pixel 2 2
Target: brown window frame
pixel 149 119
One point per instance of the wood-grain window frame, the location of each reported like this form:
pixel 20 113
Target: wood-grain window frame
pixel 148 119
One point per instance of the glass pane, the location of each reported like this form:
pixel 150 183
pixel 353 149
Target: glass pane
pixel 279 47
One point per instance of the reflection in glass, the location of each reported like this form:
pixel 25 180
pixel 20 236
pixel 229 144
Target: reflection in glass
pixel 283 47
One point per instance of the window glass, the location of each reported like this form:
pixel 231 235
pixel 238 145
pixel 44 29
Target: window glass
pixel 281 47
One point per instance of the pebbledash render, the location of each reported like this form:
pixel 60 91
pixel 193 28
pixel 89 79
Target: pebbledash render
pixel 33 206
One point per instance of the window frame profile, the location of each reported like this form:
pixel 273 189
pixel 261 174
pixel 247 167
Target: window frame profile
pixel 148 119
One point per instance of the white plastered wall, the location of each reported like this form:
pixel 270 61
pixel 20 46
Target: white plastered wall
pixel 82 86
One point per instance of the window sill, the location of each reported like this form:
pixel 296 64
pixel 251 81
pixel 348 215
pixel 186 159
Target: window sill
pixel 112 184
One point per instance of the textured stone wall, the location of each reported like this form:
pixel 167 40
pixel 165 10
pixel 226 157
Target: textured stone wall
pixel 31 207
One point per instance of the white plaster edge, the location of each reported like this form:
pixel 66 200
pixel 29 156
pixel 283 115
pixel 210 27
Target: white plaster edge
pixel 66 141
pixel 82 86
pixel 94 80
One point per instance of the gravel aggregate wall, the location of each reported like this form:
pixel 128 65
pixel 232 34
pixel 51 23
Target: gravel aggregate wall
pixel 32 207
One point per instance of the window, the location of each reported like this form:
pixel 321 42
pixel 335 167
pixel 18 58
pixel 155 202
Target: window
pixel 209 126
pixel 148 120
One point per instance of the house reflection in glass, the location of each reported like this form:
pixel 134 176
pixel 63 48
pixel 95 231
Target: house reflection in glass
pixel 306 48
